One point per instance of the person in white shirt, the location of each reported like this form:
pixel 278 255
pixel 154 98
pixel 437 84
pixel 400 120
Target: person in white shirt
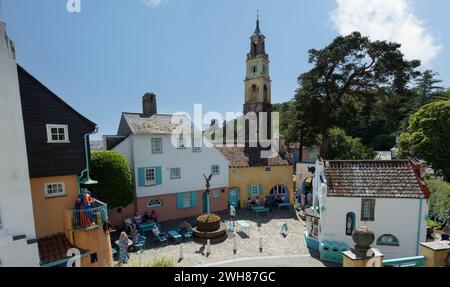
pixel 232 213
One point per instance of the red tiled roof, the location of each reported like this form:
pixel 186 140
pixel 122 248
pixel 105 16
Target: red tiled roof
pixel 54 248
pixel 250 157
pixel 389 179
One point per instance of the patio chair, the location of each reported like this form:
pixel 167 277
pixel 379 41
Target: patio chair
pixel 140 245
pixel 160 238
pixel 187 235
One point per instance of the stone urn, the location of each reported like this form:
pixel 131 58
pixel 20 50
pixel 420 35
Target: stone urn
pixel 363 237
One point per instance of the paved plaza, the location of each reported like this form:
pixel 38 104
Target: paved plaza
pixel 278 250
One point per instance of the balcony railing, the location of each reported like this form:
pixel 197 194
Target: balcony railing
pixel 93 217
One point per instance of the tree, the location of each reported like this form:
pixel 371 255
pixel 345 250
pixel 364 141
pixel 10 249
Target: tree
pixel 428 136
pixel 348 77
pixel 113 173
pixel 344 147
pixel 426 87
pixel 439 198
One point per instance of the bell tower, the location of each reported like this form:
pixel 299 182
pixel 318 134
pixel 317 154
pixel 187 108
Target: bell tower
pixel 258 95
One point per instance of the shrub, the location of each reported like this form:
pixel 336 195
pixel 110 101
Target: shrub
pixel 205 218
pixel 344 147
pixel 113 173
pixel 440 197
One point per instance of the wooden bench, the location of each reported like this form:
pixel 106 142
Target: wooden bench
pixel 284 204
pixel 260 209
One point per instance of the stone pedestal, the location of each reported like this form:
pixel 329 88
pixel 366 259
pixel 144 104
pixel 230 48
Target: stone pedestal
pixel 351 259
pixel 436 253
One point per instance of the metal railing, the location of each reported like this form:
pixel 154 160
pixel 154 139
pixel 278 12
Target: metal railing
pixel 417 261
pixel 93 217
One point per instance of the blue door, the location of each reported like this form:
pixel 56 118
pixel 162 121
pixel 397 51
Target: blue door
pixel 233 195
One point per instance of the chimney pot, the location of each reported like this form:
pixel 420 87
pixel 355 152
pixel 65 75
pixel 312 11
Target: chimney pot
pixel 149 106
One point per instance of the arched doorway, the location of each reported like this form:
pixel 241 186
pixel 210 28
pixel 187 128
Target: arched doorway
pixel 233 196
pixel 280 191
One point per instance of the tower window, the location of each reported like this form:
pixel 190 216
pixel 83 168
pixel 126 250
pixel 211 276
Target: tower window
pixel 264 69
pixel 255 69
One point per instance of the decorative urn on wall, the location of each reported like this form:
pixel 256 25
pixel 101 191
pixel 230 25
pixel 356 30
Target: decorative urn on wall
pixel 363 237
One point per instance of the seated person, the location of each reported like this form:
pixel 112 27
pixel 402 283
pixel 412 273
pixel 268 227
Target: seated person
pixel 134 235
pixel 156 231
pixel 278 199
pixel 137 219
pixel 146 218
pixel 129 224
pixel 248 203
pixel 185 227
pixel 258 202
pixel 154 216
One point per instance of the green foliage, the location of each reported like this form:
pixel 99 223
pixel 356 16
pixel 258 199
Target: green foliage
pixel 383 142
pixel 158 261
pixel 211 219
pixel 113 173
pixel 440 197
pixel 427 90
pixel 344 147
pixel 349 77
pixel 428 136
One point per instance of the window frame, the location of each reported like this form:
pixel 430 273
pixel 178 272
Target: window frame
pixel 395 242
pixel 187 196
pixel 253 190
pixel 181 144
pixel 171 173
pixel 216 193
pixel 154 140
pixel 218 169
pixel 49 128
pixel 194 147
pixel 53 195
pixel 149 183
pixel 371 202
pixel 154 206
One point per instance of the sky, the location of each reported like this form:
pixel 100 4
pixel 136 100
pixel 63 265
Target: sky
pixel 103 59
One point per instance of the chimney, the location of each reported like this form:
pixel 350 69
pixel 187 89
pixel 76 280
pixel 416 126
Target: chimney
pixel 149 104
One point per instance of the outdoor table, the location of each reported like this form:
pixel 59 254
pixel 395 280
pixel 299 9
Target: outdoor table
pixel 243 224
pixel 175 235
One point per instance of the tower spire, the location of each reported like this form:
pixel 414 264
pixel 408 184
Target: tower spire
pixel 257 30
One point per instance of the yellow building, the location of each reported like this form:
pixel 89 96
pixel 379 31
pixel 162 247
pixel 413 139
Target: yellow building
pixel 262 178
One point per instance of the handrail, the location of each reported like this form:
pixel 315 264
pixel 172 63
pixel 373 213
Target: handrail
pixel 416 261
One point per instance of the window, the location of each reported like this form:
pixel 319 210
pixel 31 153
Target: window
pixel 154 202
pixel 255 69
pixel 255 190
pixel 196 145
pixel 215 169
pixel 150 176
pixel 54 189
pixel 388 239
pixel 279 190
pixel 181 142
pixel 267 169
pixel 157 145
pixel 57 134
pixel 367 209
pixel 175 173
pixel 264 69
pixel 216 194
pixel 186 200
pixel 94 258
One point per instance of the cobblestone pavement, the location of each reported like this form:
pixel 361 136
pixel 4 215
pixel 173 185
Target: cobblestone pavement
pixel 266 227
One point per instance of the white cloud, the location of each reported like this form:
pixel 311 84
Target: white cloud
pixel 152 3
pixel 391 20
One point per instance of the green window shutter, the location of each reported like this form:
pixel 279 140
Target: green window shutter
pixel 141 176
pixel 250 190
pixel 260 189
pixel 158 175
pixel 193 199
pixel 180 201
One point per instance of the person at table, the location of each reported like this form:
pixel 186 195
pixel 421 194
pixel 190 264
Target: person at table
pixel 123 248
pixel 157 232
pixel 154 216
pixel 257 201
pixel 137 219
pixel 278 199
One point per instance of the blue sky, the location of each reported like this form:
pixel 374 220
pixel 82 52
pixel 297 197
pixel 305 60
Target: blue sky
pixel 102 60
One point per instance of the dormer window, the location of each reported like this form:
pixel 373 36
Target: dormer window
pixel 57 133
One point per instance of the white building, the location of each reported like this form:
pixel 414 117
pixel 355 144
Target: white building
pixel 18 246
pixel 168 170
pixel 386 196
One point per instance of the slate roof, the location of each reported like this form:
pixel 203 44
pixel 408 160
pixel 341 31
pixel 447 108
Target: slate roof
pixel 250 157
pixel 155 124
pixel 54 248
pixel 384 179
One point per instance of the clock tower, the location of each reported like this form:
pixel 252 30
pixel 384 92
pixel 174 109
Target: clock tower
pixel 257 81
